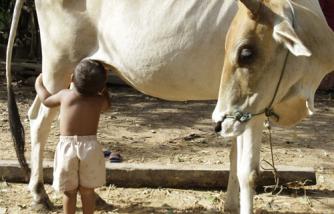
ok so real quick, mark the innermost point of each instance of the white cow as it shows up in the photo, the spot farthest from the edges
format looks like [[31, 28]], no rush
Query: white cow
[[171, 49]]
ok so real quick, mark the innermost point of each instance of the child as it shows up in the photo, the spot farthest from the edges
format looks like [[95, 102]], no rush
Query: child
[[79, 163]]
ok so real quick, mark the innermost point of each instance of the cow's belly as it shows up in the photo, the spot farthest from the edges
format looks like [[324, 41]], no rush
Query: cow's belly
[[172, 50], [189, 75], [176, 83]]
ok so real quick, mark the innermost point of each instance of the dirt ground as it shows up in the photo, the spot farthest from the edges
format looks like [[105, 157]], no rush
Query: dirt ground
[[148, 130]]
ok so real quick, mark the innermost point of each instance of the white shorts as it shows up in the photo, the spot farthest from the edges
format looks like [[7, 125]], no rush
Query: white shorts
[[79, 161]]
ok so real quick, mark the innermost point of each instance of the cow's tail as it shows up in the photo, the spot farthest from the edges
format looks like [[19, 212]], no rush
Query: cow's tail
[[16, 127]]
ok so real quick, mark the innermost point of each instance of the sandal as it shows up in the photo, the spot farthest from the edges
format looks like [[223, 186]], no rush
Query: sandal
[[115, 158], [112, 157]]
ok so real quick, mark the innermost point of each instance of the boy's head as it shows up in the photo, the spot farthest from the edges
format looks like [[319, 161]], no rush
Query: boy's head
[[89, 77]]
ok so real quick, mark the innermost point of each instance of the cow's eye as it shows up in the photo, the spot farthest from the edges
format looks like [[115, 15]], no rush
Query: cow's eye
[[246, 55]]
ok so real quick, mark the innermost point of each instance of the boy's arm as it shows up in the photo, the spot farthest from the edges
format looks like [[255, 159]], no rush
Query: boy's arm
[[106, 99], [44, 95]]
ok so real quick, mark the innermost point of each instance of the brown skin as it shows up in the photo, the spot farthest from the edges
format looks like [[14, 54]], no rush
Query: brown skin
[[79, 114]]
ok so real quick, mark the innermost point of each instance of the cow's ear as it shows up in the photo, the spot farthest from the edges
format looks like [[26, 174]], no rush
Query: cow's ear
[[285, 34]]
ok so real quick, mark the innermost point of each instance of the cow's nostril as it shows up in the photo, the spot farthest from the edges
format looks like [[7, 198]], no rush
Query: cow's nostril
[[218, 127]]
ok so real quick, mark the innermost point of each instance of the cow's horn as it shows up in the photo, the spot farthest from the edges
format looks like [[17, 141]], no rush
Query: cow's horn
[[252, 5]]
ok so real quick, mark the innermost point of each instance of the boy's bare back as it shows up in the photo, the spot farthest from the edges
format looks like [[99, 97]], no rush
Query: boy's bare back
[[79, 115]]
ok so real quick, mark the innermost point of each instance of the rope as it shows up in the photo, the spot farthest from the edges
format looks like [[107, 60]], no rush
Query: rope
[[272, 164]]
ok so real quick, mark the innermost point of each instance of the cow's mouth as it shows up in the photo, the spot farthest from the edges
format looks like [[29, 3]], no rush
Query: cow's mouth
[[229, 128]]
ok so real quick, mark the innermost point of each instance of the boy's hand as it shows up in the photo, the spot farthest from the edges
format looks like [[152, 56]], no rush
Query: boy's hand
[[40, 89], [44, 95], [38, 80]]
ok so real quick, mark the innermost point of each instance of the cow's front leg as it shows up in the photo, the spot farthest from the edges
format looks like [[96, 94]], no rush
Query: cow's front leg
[[232, 196], [40, 118], [248, 152]]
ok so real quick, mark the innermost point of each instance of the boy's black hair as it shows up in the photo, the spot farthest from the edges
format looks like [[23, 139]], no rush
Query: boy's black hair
[[89, 77]]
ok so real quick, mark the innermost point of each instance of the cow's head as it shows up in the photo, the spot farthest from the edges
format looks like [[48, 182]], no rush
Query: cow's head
[[266, 42]]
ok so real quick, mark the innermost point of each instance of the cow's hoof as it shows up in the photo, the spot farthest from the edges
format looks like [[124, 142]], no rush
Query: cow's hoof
[[43, 205], [231, 211], [101, 203]]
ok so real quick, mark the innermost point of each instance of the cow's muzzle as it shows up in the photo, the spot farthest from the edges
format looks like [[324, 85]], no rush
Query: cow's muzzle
[[218, 126]]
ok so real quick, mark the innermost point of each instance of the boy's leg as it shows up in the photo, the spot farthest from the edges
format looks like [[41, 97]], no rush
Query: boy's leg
[[87, 200], [70, 201]]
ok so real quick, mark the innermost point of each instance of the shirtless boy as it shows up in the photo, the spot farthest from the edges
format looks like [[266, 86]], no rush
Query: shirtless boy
[[79, 163]]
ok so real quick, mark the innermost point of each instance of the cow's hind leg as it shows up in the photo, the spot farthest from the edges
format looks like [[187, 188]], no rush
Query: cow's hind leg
[[41, 118], [40, 124]]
